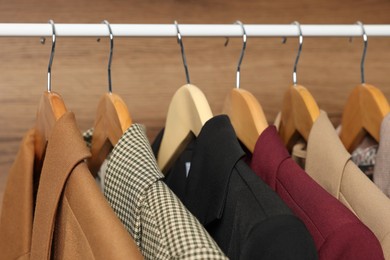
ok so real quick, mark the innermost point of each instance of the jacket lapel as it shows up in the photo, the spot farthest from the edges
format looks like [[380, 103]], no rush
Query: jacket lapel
[[326, 157], [65, 150], [216, 152]]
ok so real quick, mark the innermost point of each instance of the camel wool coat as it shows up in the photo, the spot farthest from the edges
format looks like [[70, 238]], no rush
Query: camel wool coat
[[65, 216]]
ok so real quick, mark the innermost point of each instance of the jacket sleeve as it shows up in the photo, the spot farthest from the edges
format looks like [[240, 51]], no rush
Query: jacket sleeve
[[354, 241], [281, 237]]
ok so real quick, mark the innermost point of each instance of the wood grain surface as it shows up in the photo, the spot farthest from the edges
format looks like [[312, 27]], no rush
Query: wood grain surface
[[146, 72]]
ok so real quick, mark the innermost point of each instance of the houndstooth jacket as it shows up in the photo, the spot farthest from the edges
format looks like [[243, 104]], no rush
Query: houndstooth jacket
[[160, 224]]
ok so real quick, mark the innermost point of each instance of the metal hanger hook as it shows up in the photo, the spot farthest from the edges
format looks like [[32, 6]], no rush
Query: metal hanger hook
[[183, 55], [299, 52], [365, 42], [53, 48], [111, 53], [244, 37]]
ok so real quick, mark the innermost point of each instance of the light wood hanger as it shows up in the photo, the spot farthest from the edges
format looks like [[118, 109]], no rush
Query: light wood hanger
[[364, 111], [299, 112], [245, 112], [299, 108], [112, 120], [51, 107], [246, 115], [188, 112]]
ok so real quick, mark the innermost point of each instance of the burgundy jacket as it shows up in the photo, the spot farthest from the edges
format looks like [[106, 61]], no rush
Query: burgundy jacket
[[337, 232]]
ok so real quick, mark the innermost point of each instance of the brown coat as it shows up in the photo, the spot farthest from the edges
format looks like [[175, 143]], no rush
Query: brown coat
[[72, 219]]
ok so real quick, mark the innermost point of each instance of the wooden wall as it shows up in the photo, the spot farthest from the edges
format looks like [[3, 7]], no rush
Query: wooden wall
[[146, 72]]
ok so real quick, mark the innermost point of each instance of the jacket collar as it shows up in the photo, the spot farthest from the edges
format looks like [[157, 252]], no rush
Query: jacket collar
[[134, 154], [269, 153], [216, 153], [326, 155], [66, 146], [131, 161], [133, 168], [64, 151]]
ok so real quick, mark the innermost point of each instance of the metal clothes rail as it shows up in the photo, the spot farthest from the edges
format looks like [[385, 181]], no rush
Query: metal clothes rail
[[191, 30]]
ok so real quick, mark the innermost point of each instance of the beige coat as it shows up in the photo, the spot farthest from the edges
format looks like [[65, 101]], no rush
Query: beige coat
[[382, 159], [72, 219], [329, 164]]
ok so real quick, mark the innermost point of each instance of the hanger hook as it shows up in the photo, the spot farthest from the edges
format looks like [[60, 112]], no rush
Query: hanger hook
[[183, 55], [365, 41], [111, 52], [53, 48], [299, 52], [244, 37]]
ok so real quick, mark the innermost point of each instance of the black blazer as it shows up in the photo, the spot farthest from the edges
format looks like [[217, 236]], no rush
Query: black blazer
[[244, 216]]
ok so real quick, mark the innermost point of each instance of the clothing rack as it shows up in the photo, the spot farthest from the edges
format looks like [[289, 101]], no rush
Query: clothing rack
[[192, 30]]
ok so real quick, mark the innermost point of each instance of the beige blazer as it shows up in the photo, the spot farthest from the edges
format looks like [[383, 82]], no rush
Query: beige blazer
[[72, 219], [382, 160], [329, 164]]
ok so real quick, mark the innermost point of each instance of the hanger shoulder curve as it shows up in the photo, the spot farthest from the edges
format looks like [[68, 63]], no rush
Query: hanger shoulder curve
[[363, 113], [112, 120], [377, 107], [188, 111], [352, 131], [246, 116], [299, 112], [306, 108], [51, 107], [118, 107]]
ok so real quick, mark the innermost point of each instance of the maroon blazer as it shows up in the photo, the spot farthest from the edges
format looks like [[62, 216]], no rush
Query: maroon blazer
[[337, 232]]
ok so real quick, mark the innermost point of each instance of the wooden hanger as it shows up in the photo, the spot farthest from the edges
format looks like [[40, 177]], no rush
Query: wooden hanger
[[246, 115], [187, 113], [363, 113], [112, 120], [245, 112], [51, 107], [365, 109], [299, 112], [299, 109]]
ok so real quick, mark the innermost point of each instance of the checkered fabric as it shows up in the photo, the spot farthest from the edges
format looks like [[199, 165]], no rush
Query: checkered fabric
[[160, 224], [87, 135]]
